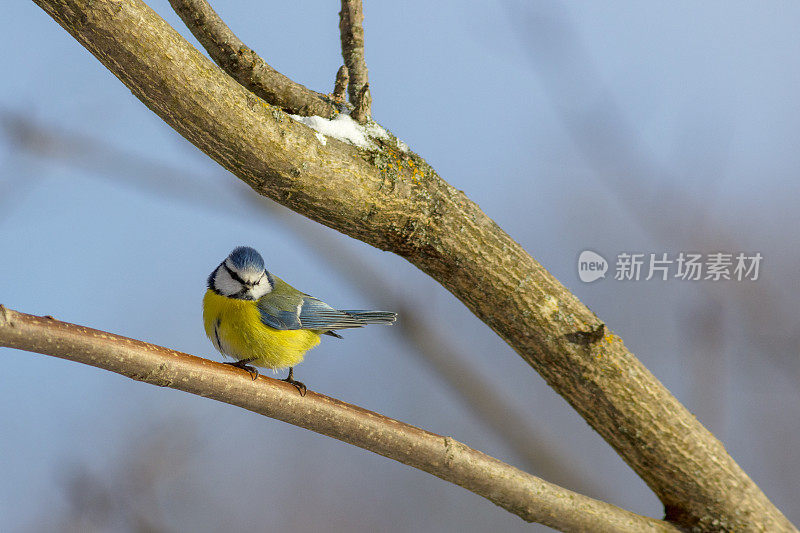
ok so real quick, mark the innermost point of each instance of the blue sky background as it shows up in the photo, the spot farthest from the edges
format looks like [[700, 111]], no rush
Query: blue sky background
[[615, 127]]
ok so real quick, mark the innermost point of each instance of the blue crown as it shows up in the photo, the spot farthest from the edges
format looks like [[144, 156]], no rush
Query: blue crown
[[246, 258]]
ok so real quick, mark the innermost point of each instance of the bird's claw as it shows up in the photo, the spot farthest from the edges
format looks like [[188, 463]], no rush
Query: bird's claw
[[299, 385], [244, 366]]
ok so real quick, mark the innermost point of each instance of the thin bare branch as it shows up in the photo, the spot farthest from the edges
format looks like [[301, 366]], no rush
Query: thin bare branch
[[529, 497], [351, 31], [394, 200], [246, 66]]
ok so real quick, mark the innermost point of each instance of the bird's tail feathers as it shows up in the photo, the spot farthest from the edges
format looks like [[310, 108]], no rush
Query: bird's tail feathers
[[372, 317]]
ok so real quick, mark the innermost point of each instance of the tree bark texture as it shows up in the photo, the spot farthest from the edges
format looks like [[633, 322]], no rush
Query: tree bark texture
[[394, 201]]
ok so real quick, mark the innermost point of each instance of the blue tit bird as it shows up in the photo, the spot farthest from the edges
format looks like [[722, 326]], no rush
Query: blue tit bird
[[257, 318]]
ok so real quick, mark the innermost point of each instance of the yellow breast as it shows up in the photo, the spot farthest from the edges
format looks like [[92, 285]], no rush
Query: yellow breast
[[235, 328]]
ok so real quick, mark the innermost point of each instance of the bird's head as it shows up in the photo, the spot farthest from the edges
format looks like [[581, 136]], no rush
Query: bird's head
[[241, 275]]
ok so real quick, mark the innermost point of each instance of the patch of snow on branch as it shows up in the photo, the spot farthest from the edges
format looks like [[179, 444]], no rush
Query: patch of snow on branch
[[340, 127], [374, 130], [344, 128]]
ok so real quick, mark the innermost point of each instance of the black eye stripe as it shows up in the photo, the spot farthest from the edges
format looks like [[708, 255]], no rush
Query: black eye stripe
[[233, 274], [238, 278]]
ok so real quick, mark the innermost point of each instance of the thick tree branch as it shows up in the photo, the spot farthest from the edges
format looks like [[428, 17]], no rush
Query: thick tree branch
[[351, 31], [393, 200], [529, 497], [246, 66]]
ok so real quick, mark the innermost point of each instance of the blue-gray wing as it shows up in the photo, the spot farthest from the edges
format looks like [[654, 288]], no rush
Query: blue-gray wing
[[309, 313], [279, 313]]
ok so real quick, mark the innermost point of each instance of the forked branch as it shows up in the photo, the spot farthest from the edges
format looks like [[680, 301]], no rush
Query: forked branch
[[246, 66]]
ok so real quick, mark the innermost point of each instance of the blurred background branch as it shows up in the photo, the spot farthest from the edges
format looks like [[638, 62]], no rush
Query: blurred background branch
[[539, 452], [649, 192]]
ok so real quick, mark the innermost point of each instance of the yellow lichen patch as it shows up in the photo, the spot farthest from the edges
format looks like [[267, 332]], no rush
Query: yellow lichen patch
[[607, 340]]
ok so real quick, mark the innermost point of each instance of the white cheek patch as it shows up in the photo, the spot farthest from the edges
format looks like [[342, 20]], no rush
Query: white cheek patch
[[225, 284], [261, 288]]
